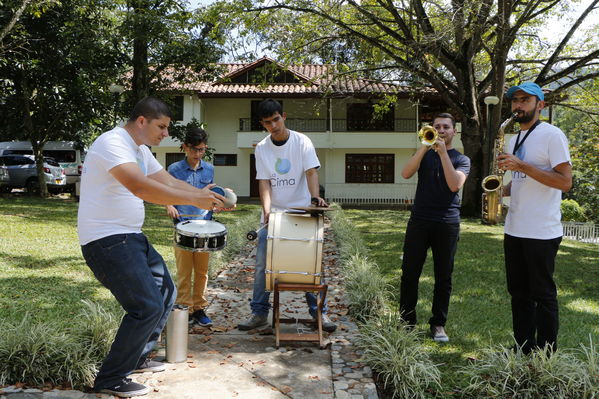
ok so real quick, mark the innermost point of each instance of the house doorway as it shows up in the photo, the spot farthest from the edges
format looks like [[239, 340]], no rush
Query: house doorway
[[254, 191]]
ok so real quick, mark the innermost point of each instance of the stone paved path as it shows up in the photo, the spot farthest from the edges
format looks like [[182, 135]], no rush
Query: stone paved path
[[224, 362]]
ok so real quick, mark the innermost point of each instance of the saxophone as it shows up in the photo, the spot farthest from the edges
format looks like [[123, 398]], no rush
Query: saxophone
[[493, 184]]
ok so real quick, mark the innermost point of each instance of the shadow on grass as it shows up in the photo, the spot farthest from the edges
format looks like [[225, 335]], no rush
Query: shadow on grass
[[55, 298], [55, 209], [38, 263]]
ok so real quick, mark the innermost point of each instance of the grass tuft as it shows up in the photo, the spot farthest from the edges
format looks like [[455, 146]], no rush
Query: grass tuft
[[567, 373], [36, 353], [396, 353], [365, 288]]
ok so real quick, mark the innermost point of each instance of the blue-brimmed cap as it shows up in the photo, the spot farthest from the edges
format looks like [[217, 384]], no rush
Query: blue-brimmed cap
[[527, 87]]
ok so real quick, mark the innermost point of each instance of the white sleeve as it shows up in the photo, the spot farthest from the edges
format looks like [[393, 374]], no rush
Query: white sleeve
[[152, 163], [113, 152], [261, 169], [558, 149], [309, 158]]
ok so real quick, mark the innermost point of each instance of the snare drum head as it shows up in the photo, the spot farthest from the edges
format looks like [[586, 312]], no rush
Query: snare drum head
[[200, 228]]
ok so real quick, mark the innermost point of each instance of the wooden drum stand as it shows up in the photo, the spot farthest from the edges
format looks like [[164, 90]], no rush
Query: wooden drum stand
[[297, 336]]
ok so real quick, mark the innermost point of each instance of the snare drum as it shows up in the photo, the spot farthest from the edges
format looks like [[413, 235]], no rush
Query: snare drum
[[200, 235], [294, 249]]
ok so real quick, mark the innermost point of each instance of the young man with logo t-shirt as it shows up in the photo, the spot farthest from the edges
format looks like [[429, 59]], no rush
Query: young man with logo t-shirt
[[539, 160], [119, 174], [286, 170], [434, 223]]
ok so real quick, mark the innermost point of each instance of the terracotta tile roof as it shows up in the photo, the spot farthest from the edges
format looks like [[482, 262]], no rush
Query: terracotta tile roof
[[315, 80]]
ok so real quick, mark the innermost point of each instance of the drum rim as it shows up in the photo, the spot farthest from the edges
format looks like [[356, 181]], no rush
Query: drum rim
[[201, 235], [200, 249]]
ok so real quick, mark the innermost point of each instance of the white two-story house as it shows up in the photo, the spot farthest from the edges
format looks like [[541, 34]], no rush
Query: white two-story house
[[361, 156]]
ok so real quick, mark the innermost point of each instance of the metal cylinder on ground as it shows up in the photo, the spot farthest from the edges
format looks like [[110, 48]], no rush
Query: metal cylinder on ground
[[176, 334]]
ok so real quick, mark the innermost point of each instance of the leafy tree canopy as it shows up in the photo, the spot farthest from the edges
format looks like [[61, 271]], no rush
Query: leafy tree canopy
[[465, 49]]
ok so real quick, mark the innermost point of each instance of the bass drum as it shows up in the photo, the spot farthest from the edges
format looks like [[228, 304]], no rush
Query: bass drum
[[294, 249]]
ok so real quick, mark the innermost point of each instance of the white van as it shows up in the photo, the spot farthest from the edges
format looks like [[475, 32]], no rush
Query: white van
[[64, 152]]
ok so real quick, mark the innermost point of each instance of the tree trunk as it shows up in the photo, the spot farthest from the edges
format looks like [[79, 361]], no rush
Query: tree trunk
[[38, 153], [472, 130], [30, 132]]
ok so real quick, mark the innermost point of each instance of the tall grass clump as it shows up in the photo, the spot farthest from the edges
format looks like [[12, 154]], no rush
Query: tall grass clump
[[506, 374], [396, 353], [364, 284], [36, 353], [96, 327], [365, 288], [349, 242], [236, 239]]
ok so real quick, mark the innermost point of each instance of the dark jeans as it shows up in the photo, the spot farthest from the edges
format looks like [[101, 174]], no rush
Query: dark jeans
[[442, 238], [138, 278], [529, 265]]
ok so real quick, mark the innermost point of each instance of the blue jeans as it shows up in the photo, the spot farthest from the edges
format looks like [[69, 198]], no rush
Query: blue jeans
[[138, 278], [260, 304]]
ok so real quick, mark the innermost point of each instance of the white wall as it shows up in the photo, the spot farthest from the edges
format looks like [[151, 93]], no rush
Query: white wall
[[221, 117]]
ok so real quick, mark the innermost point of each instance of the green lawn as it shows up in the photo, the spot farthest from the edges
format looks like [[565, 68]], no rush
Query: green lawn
[[479, 313], [42, 271]]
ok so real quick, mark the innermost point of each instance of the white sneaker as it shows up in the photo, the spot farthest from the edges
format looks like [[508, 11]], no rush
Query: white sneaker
[[438, 334]]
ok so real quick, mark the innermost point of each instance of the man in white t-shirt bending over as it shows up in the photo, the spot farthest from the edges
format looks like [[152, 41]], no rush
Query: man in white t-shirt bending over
[[119, 174], [539, 161], [286, 170]]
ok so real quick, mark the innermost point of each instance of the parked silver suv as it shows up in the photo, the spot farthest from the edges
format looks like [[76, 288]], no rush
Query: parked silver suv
[[22, 173]]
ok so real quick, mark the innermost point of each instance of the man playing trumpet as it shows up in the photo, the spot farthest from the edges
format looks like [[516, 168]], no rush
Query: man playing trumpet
[[434, 222]]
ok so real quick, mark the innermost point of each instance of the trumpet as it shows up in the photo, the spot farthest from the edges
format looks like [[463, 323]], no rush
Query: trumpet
[[428, 135]]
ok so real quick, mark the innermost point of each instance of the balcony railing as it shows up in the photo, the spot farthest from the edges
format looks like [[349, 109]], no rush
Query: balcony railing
[[371, 194], [339, 125]]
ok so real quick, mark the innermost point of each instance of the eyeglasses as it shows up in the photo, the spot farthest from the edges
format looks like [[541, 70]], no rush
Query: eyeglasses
[[198, 149]]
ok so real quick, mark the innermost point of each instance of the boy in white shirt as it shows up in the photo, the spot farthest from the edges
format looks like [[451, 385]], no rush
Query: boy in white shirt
[[286, 170]]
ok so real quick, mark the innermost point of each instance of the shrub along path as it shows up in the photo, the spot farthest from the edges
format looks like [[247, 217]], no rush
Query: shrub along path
[[224, 362]]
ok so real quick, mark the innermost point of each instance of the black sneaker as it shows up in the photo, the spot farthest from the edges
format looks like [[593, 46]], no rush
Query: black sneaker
[[126, 389], [150, 366], [255, 321], [327, 324]]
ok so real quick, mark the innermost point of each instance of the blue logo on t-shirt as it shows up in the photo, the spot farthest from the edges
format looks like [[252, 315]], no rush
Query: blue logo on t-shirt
[[521, 153], [282, 166]]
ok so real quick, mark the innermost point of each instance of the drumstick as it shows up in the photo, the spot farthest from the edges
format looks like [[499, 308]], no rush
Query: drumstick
[[252, 235]]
